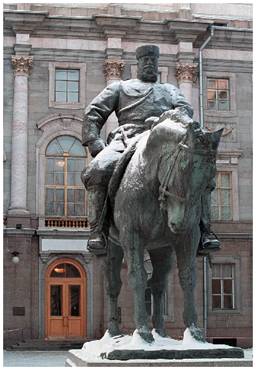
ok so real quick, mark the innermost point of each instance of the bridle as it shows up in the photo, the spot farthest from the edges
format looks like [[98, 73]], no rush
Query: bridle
[[164, 193]]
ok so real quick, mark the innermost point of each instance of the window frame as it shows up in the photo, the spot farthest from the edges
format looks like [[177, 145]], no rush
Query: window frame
[[216, 90], [222, 294], [232, 112], [220, 206], [65, 187], [53, 66], [236, 261]]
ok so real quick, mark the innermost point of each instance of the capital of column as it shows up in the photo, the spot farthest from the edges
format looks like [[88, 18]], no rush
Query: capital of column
[[113, 69], [22, 64], [186, 72]]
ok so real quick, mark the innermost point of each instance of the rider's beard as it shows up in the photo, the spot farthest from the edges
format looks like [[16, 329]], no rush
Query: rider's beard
[[147, 74]]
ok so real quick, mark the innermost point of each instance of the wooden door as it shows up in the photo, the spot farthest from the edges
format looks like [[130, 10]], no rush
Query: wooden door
[[65, 301]]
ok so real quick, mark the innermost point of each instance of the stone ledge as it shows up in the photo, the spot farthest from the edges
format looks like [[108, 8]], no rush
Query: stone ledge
[[75, 359]]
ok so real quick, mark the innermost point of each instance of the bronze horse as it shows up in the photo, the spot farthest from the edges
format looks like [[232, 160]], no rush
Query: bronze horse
[[157, 208]]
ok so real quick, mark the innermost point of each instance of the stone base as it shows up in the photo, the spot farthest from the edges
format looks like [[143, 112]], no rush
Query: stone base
[[125, 355], [75, 359]]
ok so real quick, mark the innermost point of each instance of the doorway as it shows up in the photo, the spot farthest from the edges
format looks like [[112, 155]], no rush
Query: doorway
[[65, 300]]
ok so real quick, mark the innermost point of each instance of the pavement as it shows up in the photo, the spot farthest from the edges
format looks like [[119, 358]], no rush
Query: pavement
[[34, 358]]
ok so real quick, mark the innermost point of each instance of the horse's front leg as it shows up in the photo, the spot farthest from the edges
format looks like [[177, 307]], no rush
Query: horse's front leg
[[113, 285], [138, 280], [161, 262], [186, 261]]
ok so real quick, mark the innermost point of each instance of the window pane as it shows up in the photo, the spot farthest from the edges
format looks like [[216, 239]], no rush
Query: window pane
[[61, 74], [72, 97], [50, 164], [225, 197], [56, 300], [216, 270], [214, 198], [73, 74], [71, 164], [227, 270], [216, 301], [226, 213], [78, 180], [49, 209], [211, 104], [66, 142], [228, 302], [59, 209], [77, 149], [53, 148], [79, 210], [216, 286], [211, 83], [222, 84], [211, 95], [215, 213], [227, 286], [71, 178], [60, 96], [223, 105], [225, 180], [71, 195], [59, 165], [222, 95], [59, 178], [60, 86], [49, 179], [59, 195], [71, 209], [79, 196], [59, 271], [49, 195], [71, 271], [74, 294], [72, 86]]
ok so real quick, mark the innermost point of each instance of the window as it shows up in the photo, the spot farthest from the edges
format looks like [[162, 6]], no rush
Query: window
[[64, 191], [218, 94], [221, 198], [67, 85], [223, 286]]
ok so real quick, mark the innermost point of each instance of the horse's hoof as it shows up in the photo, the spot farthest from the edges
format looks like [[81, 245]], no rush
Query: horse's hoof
[[146, 336], [196, 333], [161, 332]]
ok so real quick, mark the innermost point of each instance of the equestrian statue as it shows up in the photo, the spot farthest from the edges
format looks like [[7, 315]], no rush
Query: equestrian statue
[[149, 190]]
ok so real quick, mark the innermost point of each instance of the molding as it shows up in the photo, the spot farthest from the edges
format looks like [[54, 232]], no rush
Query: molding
[[53, 117]]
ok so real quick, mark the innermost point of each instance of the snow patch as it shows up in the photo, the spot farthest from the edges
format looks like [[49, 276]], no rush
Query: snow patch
[[98, 350]]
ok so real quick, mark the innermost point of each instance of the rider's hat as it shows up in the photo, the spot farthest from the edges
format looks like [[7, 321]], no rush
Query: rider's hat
[[144, 50]]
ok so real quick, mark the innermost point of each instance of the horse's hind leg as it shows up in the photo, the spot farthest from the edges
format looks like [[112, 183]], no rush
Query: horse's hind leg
[[161, 262], [113, 285]]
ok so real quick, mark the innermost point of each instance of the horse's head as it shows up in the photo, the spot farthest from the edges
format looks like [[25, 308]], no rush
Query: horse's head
[[185, 173]]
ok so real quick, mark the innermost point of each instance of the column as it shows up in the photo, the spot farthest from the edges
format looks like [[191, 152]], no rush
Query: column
[[113, 68], [22, 66], [186, 74]]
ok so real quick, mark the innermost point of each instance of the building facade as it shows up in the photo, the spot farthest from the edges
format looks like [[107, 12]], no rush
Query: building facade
[[57, 58]]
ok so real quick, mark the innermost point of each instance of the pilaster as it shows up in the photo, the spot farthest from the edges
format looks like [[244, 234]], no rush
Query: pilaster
[[22, 65]]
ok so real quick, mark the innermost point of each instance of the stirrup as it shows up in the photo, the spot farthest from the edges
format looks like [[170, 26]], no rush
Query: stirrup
[[97, 244]]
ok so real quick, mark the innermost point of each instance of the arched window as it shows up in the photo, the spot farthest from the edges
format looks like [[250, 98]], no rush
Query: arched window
[[64, 191]]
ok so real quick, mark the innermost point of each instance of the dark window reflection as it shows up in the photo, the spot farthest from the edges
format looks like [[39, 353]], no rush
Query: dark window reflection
[[74, 293], [65, 270], [56, 300]]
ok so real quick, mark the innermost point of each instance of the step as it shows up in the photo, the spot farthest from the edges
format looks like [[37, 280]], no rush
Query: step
[[46, 345]]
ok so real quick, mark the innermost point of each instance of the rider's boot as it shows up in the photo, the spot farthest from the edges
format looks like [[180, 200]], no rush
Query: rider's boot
[[209, 241], [97, 241]]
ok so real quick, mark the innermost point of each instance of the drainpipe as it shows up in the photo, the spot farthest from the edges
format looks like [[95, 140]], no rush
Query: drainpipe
[[201, 117]]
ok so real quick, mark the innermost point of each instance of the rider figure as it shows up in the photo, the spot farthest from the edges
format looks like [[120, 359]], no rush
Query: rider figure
[[137, 104]]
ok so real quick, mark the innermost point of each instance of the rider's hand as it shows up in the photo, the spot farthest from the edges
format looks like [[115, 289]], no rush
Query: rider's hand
[[95, 147]]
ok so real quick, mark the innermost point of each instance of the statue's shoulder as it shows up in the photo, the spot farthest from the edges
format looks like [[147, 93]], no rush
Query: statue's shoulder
[[169, 87], [134, 87]]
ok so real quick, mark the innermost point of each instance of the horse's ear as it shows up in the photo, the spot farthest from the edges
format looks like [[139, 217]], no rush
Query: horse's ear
[[215, 136]]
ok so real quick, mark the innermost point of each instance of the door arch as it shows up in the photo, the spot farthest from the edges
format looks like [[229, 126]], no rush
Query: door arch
[[65, 303]]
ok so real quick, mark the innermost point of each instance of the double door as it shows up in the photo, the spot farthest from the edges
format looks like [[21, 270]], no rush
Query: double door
[[65, 307]]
